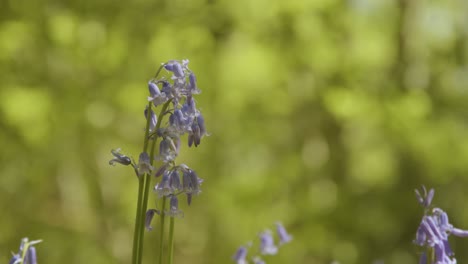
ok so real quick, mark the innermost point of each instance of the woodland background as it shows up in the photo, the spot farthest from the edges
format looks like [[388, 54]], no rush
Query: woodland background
[[323, 114]]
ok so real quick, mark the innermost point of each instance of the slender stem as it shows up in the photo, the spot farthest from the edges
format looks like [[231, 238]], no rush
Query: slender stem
[[147, 183], [139, 223], [171, 240], [159, 70], [161, 230], [136, 233], [147, 179], [25, 250]]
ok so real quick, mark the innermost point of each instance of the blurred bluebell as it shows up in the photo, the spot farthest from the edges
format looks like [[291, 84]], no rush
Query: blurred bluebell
[[267, 244], [433, 232], [31, 257], [119, 158], [149, 217], [284, 237], [15, 259], [240, 256]]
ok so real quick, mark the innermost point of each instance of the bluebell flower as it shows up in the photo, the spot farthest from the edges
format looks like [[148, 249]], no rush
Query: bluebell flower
[[267, 244], [240, 256], [284, 237], [15, 259], [31, 257], [433, 232], [193, 84], [149, 217], [153, 120], [167, 150], [174, 208], [198, 130], [191, 182], [119, 158], [175, 68], [174, 181], [163, 188], [189, 108], [144, 165], [156, 97]]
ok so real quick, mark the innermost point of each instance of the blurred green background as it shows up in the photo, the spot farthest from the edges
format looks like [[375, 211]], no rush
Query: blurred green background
[[324, 114]]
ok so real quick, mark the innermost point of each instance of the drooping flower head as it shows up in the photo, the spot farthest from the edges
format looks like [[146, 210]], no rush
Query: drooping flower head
[[433, 232]]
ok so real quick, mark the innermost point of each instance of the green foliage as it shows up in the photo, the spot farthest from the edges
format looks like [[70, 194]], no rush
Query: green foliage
[[323, 114]]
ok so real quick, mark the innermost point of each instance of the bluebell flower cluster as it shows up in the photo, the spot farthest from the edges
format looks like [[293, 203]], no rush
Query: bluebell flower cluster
[[26, 254], [433, 232], [267, 246], [184, 118]]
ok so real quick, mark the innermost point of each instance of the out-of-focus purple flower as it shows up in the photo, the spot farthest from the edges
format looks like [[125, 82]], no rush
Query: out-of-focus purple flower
[[144, 165], [433, 232], [15, 259], [284, 237], [119, 158], [267, 244], [174, 208], [240, 256], [31, 257]]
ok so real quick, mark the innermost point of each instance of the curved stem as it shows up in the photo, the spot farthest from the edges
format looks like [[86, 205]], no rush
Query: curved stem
[[161, 230], [159, 70], [171, 240]]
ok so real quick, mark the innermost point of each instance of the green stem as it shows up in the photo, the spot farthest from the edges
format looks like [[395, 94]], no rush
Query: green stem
[[171, 240], [25, 250], [147, 183], [137, 246], [161, 230], [136, 233]]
